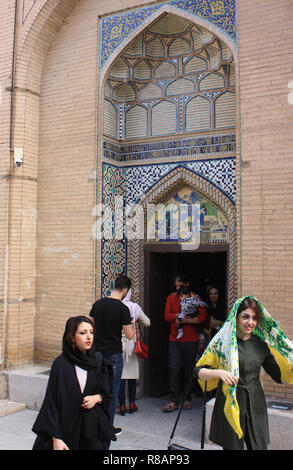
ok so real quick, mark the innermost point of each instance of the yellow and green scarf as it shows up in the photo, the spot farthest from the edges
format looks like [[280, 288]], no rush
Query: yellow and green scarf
[[222, 353]]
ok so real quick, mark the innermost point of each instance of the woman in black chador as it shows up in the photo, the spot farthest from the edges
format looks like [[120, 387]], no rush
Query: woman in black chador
[[74, 414]]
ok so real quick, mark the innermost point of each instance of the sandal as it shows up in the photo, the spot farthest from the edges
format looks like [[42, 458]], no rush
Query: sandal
[[171, 406], [187, 405]]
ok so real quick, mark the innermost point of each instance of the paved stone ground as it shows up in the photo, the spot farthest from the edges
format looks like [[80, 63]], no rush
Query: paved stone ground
[[147, 429]]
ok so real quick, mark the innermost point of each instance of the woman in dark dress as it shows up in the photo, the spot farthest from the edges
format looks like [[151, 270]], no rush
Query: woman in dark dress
[[215, 310], [234, 359], [74, 414]]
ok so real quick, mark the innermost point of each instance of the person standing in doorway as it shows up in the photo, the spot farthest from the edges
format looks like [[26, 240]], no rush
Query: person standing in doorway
[[189, 303], [215, 309], [183, 351], [130, 373], [112, 318]]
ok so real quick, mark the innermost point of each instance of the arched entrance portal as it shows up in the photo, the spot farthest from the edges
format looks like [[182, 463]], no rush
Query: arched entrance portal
[[169, 126], [152, 264]]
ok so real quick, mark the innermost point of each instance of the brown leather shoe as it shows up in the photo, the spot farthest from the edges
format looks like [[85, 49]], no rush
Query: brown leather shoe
[[122, 410], [132, 407]]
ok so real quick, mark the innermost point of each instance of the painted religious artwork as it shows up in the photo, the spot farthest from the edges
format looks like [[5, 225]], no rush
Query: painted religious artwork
[[188, 218]]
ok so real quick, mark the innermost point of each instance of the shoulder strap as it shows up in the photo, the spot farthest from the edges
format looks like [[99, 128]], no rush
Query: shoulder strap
[[203, 422]]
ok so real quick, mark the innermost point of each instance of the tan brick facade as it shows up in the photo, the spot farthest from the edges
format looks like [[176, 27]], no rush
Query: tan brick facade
[[266, 151], [49, 261]]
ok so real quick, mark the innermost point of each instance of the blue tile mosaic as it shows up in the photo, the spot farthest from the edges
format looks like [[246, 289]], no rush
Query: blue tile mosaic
[[117, 28], [220, 172]]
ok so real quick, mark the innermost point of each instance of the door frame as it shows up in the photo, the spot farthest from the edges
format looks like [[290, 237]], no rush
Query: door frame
[[177, 248], [163, 248]]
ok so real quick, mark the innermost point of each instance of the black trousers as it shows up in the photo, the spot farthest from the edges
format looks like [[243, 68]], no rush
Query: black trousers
[[181, 355]]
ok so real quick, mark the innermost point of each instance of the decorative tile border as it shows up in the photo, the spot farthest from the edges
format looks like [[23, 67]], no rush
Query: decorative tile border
[[220, 172], [113, 251], [117, 28], [196, 146]]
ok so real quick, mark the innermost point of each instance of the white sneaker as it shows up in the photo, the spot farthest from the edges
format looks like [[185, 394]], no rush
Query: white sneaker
[[117, 431], [180, 334]]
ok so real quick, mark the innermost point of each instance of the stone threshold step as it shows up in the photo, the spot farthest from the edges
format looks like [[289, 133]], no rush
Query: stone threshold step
[[7, 407]]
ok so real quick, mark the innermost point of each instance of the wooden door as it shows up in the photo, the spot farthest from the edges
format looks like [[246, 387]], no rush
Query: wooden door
[[160, 272]]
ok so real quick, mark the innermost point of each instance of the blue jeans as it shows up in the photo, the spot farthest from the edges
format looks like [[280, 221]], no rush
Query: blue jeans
[[116, 361], [131, 391]]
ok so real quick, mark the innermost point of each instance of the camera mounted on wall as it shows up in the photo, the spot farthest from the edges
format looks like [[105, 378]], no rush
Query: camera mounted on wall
[[18, 157]]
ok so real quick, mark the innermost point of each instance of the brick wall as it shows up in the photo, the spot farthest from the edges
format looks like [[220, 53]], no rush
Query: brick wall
[[265, 39], [6, 35], [66, 186], [37, 29]]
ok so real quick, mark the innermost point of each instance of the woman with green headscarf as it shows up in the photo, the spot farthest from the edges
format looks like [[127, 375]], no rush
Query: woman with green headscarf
[[248, 340]]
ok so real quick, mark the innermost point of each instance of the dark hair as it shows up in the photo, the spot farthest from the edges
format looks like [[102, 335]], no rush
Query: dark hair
[[180, 278], [210, 288], [72, 325], [122, 282], [184, 290], [250, 303]]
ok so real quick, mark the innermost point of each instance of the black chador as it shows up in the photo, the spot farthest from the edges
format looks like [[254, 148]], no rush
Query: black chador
[[61, 415]]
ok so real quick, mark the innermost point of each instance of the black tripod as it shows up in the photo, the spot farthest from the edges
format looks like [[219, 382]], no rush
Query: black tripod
[[172, 446]]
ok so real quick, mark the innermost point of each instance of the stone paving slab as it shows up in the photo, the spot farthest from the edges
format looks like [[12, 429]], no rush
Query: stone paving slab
[[7, 407]]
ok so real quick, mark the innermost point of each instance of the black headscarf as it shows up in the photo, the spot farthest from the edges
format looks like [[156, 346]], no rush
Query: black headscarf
[[61, 414], [85, 361]]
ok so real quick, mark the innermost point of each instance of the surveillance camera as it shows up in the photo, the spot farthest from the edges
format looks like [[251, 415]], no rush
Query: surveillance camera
[[18, 157], [17, 162]]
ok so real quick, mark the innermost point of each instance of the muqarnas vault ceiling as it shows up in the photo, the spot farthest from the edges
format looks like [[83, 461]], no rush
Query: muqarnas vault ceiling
[[174, 78]]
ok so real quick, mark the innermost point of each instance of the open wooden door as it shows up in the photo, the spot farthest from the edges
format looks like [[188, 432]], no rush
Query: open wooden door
[[160, 268]]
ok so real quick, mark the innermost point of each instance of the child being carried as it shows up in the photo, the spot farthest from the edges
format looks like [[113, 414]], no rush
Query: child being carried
[[189, 303]]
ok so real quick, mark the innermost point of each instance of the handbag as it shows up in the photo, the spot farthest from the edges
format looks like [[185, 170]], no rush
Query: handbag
[[173, 446], [140, 348]]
